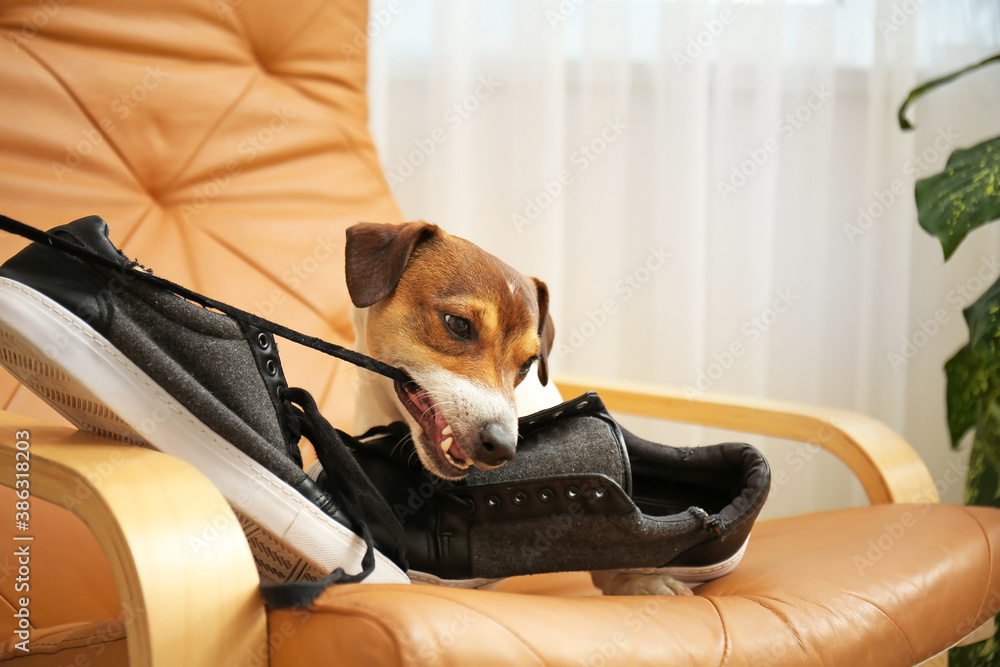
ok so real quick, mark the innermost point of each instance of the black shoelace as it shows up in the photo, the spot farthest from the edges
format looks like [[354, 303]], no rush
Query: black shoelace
[[366, 503]]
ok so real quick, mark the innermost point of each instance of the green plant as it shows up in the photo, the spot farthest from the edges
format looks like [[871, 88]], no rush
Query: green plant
[[964, 196]]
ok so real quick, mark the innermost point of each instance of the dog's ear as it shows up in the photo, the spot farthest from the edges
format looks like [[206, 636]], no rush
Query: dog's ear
[[376, 256], [546, 330]]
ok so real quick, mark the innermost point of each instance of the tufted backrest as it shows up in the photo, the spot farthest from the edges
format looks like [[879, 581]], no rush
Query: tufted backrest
[[224, 141]]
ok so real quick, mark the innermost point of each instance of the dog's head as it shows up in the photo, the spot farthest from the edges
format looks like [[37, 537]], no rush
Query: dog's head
[[465, 327]]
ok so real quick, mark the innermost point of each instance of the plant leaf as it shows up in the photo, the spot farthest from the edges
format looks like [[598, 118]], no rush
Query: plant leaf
[[983, 484], [974, 372], [982, 654], [925, 88], [968, 386], [964, 196]]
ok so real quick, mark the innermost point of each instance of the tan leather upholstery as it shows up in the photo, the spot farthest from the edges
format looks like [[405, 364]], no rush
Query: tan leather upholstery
[[226, 144], [789, 603]]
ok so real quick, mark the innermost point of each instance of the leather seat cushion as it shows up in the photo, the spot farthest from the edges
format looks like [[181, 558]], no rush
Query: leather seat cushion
[[803, 595], [225, 143]]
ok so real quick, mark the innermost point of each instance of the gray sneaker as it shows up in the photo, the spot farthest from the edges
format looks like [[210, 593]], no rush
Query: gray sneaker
[[119, 353], [582, 494]]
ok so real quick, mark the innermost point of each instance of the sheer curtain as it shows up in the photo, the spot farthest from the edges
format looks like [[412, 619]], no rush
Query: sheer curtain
[[716, 193]]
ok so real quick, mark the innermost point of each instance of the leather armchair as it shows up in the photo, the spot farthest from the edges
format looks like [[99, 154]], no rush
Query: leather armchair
[[226, 143]]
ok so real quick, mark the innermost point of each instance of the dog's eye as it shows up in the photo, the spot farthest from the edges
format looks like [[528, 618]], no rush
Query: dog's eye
[[459, 326], [525, 367]]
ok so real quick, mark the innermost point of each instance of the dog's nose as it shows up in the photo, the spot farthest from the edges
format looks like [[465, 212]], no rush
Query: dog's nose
[[497, 444]]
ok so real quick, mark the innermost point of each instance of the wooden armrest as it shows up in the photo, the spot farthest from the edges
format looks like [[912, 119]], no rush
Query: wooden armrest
[[187, 606], [886, 465]]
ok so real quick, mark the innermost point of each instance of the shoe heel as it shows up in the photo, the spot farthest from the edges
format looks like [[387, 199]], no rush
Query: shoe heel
[[32, 368]]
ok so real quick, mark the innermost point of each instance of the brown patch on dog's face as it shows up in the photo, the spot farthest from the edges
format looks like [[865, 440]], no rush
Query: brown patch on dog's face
[[450, 278], [467, 328]]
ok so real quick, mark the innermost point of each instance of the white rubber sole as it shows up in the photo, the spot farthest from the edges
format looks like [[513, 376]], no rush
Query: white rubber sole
[[700, 574], [80, 374], [693, 576]]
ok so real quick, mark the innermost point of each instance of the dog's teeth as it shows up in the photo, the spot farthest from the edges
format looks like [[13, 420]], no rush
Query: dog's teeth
[[447, 430], [446, 444]]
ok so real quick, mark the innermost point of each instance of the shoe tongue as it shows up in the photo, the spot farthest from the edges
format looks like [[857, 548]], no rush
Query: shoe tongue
[[575, 437]]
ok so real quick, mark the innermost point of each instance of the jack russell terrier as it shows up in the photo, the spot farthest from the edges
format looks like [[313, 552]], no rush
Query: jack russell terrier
[[465, 327], [467, 330]]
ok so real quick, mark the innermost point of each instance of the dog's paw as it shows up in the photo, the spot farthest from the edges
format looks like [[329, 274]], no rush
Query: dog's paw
[[626, 583]]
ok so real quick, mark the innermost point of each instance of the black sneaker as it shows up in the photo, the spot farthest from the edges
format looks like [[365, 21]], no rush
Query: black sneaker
[[119, 353], [582, 494]]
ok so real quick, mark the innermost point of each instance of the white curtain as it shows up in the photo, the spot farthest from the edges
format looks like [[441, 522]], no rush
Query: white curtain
[[716, 193]]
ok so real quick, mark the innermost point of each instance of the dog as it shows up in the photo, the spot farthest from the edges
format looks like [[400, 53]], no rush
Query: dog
[[467, 330]]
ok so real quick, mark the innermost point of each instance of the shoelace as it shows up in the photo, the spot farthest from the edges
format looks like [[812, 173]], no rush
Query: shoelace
[[367, 504], [331, 451]]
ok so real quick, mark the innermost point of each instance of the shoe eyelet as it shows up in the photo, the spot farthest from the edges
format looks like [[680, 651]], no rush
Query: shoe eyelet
[[546, 495], [600, 494], [572, 493], [519, 498], [272, 368], [470, 502], [493, 502], [263, 342]]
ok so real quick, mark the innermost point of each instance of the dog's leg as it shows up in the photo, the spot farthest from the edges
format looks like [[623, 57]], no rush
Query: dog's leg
[[626, 583]]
